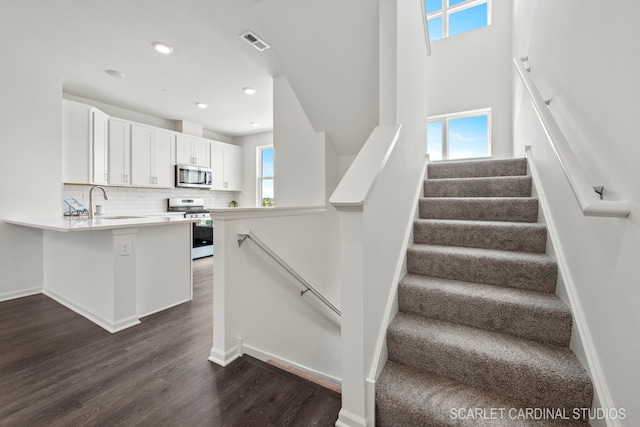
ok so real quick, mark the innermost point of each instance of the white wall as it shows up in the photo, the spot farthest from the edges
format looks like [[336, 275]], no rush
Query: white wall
[[329, 52], [582, 59], [257, 301], [299, 152], [473, 70], [248, 197], [30, 154]]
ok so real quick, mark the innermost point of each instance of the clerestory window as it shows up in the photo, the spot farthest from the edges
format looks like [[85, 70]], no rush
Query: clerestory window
[[447, 18]]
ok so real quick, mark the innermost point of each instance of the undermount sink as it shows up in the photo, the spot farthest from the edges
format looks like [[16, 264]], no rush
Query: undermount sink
[[119, 217]]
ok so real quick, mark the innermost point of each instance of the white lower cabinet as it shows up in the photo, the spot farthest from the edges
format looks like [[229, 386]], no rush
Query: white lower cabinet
[[151, 160], [226, 163]]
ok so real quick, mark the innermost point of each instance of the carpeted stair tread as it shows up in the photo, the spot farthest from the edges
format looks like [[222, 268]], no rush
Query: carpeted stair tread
[[508, 236], [511, 209], [408, 397], [477, 168], [540, 374], [536, 272], [526, 314], [502, 186]]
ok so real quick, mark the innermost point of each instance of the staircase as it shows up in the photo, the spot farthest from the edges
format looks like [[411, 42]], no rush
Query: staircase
[[479, 324]]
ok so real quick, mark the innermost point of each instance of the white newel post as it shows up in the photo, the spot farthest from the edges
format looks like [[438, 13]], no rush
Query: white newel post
[[353, 412]]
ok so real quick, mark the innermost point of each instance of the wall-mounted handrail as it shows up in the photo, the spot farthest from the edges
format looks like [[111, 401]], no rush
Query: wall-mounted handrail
[[425, 24], [248, 234], [589, 202]]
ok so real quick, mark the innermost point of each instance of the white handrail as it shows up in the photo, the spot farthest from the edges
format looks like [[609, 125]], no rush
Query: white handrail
[[425, 24], [589, 202], [248, 234]]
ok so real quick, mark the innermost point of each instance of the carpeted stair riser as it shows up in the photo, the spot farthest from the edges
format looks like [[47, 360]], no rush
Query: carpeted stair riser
[[536, 272], [479, 168], [504, 186], [539, 374], [507, 236], [512, 209], [406, 396], [531, 315]]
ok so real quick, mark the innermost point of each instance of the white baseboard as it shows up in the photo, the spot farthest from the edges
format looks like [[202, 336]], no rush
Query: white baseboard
[[266, 356], [20, 294], [103, 323], [223, 358], [600, 386], [164, 308], [347, 419]]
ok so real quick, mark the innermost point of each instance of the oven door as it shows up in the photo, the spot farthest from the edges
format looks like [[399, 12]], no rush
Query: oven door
[[202, 239]]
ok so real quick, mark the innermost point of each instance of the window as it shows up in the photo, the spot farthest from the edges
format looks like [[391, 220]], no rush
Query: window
[[265, 176], [450, 17], [464, 135]]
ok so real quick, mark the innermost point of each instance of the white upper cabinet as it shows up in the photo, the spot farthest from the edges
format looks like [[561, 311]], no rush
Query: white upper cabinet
[[226, 163], [76, 140], [191, 150], [151, 159], [119, 152], [233, 167], [100, 147]]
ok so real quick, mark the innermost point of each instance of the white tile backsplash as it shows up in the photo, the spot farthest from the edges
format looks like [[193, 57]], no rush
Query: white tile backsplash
[[129, 200]]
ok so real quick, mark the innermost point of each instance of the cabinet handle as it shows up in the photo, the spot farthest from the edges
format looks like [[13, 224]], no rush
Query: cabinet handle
[[126, 178], [106, 177]]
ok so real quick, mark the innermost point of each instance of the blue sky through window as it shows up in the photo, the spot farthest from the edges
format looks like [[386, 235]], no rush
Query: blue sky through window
[[434, 140], [455, 2], [435, 29], [433, 5], [267, 170], [468, 137], [468, 19]]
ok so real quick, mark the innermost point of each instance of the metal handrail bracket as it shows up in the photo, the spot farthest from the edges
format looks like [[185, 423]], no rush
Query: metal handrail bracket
[[590, 204], [248, 234]]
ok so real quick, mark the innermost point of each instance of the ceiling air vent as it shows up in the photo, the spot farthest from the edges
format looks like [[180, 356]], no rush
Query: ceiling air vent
[[255, 41]]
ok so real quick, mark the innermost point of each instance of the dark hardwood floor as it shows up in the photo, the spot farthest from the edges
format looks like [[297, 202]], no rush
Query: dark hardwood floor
[[59, 369]]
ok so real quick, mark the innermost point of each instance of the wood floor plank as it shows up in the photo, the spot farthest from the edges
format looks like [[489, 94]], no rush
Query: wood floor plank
[[59, 369]]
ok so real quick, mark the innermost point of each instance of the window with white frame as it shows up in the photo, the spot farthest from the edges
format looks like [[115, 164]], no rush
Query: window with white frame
[[465, 135], [265, 175], [447, 18]]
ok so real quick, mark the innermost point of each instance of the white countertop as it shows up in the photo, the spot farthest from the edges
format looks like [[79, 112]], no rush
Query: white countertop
[[79, 223]]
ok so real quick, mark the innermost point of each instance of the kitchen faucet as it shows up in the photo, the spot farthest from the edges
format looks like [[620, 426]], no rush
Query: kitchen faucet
[[104, 192]]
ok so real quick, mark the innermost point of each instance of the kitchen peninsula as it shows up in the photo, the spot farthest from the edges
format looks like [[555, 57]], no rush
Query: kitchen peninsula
[[115, 270]]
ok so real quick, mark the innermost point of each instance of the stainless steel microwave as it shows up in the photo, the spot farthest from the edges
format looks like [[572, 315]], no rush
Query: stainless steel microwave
[[193, 176]]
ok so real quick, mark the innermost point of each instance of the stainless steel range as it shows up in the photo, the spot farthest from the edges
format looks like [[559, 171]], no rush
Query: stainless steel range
[[202, 229]]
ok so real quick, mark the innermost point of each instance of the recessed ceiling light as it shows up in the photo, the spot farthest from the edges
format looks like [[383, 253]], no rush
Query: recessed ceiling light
[[254, 124], [202, 105], [249, 90], [115, 73], [162, 47]]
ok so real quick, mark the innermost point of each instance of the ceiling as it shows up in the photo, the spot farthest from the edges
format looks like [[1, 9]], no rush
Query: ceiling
[[210, 62]]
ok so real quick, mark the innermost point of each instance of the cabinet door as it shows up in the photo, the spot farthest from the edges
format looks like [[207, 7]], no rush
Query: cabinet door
[[217, 165], [119, 153], [200, 152], [100, 152], [183, 150], [162, 164], [233, 167], [76, 142], [141, 143]]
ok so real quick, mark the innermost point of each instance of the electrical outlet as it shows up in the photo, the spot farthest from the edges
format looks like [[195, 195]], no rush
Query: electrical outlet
[[125, 248]]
